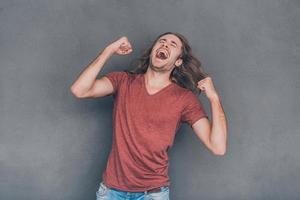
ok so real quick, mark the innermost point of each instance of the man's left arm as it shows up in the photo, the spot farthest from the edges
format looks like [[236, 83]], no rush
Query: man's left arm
[[213, 135]]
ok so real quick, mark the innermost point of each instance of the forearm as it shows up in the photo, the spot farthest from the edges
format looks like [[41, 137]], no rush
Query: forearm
[[88, 76], [218, 135]]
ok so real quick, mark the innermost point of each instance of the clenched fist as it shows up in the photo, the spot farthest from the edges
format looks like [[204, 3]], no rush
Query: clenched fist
[[206, 85], [121, 47]]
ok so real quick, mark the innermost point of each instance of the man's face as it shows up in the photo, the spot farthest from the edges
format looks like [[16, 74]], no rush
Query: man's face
[[165, 53]]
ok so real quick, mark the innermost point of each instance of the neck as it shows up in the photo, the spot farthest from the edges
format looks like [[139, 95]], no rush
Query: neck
[[157, 79]]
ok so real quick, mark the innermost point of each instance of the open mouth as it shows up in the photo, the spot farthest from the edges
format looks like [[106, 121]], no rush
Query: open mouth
[[162, 54]]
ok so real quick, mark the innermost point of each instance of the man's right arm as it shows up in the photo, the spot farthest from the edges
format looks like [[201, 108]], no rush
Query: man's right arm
[[86, 85]]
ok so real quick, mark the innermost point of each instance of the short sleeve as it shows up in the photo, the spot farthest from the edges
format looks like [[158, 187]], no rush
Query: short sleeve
[[116, 78], [193, 109]]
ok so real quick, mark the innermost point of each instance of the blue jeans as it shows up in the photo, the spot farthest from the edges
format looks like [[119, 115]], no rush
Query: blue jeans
[[105, 193]]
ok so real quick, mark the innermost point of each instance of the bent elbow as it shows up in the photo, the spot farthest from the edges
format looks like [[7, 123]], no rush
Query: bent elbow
[[75, 93], [219, 152]]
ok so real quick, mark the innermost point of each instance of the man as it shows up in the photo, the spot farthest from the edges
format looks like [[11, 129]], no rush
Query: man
[[150, 102]]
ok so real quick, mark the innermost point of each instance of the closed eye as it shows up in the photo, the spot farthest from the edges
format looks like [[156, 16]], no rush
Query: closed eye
[[172, 43]]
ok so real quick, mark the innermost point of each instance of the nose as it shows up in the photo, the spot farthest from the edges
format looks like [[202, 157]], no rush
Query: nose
[[165, 45]]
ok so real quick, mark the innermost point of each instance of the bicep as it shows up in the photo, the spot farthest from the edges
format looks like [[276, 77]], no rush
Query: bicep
[[202, 129], [101, 87]]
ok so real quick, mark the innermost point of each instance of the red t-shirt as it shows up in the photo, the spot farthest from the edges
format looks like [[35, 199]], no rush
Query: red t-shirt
[[144, 128]]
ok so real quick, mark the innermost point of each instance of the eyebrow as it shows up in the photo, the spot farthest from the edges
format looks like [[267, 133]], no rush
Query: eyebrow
[[171, 41]]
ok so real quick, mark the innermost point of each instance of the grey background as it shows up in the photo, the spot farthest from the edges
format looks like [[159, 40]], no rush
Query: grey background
[[54, 146]]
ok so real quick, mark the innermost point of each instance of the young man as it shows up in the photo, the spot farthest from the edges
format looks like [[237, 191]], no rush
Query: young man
[[150, 103]]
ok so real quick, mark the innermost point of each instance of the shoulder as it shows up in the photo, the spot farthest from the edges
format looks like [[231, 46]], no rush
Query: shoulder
[[120, 75], [117, 74], [183, 93]]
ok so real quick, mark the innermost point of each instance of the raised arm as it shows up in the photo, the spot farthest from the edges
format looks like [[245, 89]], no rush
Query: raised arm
[[213, 135], [86, 85]]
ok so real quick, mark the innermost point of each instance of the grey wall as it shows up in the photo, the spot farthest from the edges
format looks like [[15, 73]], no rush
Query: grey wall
[[54, 146]]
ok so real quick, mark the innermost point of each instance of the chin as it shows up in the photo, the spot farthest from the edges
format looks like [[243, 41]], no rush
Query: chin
[[155, 67], [158, 64]]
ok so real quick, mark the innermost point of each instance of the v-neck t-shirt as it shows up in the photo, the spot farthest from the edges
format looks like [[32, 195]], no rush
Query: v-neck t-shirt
[[144, 128]]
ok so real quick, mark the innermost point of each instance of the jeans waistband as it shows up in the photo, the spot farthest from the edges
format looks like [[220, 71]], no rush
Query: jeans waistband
[[157, 189]]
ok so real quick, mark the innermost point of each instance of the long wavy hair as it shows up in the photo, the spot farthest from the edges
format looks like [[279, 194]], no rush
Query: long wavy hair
[[186, 75]]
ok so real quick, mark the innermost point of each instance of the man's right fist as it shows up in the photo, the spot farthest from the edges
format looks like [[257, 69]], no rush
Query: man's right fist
[[121, 47]]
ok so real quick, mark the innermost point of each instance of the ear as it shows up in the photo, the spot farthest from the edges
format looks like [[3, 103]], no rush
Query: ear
[[178, 62]]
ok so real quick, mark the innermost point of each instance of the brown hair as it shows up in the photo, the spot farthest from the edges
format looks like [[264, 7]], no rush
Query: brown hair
[[186, 75]]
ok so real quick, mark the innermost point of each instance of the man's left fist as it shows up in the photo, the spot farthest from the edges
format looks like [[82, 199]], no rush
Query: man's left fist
[[206, 85]]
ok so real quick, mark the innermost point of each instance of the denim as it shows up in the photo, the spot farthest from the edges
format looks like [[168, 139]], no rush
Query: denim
[[105, 193]]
